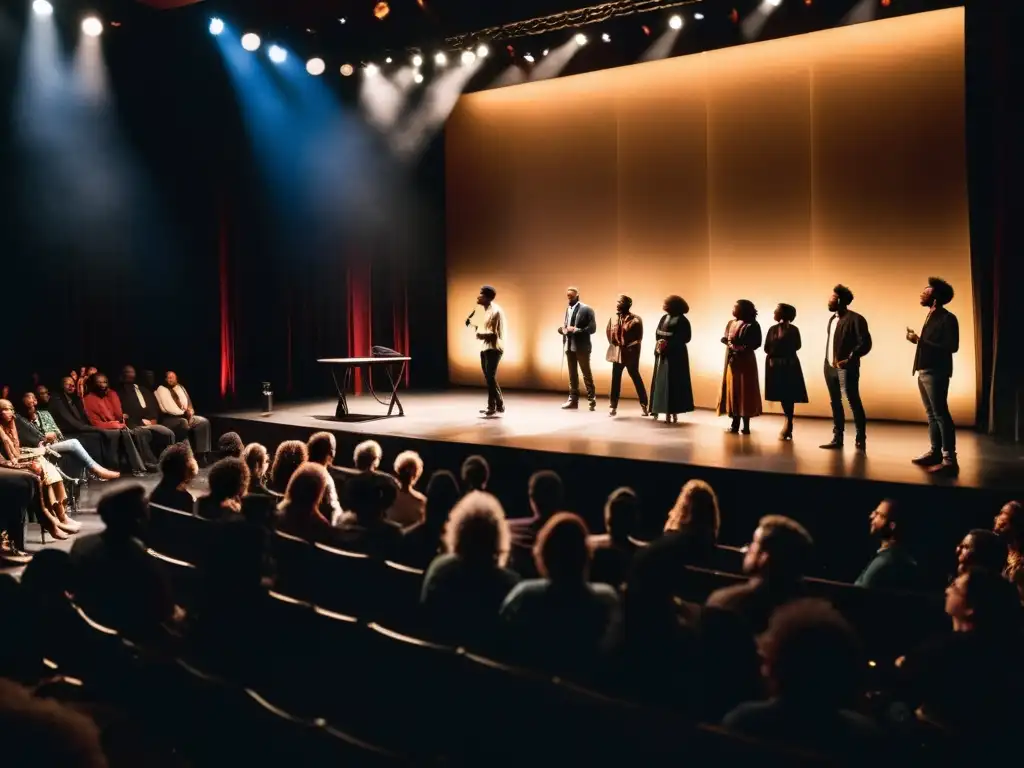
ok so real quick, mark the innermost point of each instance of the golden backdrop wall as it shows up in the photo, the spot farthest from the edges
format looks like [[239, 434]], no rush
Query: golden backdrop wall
[[769, 171]]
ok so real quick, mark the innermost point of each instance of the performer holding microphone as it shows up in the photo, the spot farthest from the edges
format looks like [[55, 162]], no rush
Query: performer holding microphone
[[490, 330]]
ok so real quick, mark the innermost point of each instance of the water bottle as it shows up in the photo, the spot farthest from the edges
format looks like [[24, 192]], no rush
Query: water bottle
[[268, 399]]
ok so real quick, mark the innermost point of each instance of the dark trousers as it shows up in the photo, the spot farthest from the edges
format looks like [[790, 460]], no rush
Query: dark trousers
[[199, 431], [845, 383], [632, 367], [934, 388], [582, 359], [19, 490], [489, 359]]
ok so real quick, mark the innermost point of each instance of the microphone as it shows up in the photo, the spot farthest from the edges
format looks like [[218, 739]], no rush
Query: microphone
[[470, 317]]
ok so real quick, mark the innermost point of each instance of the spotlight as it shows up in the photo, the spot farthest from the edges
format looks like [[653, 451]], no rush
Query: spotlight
[[440, 59], [342, 20], [482, 51], [251, 41], [216, 26], [277, 54], [676, 22], [372, 69], [347, 70], [528, 58], [581, 39], [92, 26], [417, 78], [699, 16], [468, 57], [42, 8], [545, 53], [417, 60], [775, 3], [606, 38], [316, 66]]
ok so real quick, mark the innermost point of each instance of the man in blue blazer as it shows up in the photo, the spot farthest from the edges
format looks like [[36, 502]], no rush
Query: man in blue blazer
[[576, 329]]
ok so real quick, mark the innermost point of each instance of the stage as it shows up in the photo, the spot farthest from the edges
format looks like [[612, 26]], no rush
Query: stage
[[534, 422]]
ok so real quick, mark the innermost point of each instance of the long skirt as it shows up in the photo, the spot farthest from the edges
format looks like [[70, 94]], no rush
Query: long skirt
[[741, 389]]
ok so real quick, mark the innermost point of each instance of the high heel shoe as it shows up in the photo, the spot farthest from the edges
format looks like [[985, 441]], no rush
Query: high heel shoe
[[48, 525], [65, 523], [102, 473]]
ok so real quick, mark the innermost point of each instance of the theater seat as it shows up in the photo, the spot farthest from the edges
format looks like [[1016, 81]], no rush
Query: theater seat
[[177, 534], [182, 575]]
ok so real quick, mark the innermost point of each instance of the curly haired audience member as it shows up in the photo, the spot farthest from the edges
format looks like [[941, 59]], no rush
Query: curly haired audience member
[[288, 457], [178, 468], [229, 479], [410, 504]]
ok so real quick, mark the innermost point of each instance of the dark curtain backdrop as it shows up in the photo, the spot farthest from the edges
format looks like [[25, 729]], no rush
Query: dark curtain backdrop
[[995, 129], [198, 274]]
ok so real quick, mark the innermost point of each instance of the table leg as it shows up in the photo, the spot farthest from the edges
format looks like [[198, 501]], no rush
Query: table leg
[[342, 409], [395, 381]]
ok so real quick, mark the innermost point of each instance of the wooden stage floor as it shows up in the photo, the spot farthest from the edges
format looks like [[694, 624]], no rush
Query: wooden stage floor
[[534, 422]]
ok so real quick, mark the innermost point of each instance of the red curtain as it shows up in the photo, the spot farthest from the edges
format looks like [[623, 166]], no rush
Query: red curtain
[[400, 319], [227, 323], [359, 312]]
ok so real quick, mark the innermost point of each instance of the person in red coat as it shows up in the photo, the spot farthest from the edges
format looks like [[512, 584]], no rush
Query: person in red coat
[[741, 390], [104, 411]]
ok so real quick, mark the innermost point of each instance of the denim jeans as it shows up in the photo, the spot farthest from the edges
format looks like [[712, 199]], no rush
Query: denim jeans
[[73, 447], [934, 388], [845, 383]]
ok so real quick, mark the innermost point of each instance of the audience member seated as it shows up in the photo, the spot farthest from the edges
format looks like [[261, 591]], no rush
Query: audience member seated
[[230, 446], [612, 551], [178, 468], [228, 480], [981, 549], [19, 493], [321, 449], [690, 538], [142, 410], [475, 473], [180, 416], [257, 460], [366, 458], [546, 494], [410, 505], [464, 589], [38, 428], [48, 583], [1009, 525], [119, 584], [105, 445], [55, 520], [812, 662], [776, 560], [232, 602], [970, 680], [364, 528], [422, 543], [44, 732], [559, 622], [892, 567], [289, 456], [299, 512], [104, 409]]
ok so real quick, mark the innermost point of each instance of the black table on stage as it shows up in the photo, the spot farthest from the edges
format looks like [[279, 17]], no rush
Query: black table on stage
[[345, 366]]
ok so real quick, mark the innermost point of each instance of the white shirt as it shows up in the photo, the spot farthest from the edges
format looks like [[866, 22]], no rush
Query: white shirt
[[330, 507], [493, 321], [166, 401], [138, 394]]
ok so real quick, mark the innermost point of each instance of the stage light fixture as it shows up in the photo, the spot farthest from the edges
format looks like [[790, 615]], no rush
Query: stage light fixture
[[482, 51], [251, 41], [42, 8], [581, 39], [699, 16], [277, 54], [468, 57], [216, 26], [316, 66], [775, 3], [545, 53], [381, 10], [440, 59], [606, 38], [92, 26], [343, 20], [347, 70], [372, 69], [676, 22], [417, 60], [417, 78], [528, 58]]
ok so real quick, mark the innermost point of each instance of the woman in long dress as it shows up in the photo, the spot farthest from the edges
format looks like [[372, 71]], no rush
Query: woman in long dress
[[54, 498], [671, 389], [741, 390], [783, 376]]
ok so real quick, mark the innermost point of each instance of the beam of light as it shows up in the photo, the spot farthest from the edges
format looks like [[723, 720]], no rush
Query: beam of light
[[662, 47], [251, 41], [675, 22], [316, 66], [864, 10], [467, 58], [383, 99], [92, 26], [42, 8], [432, 112], [372, 69], [216, 26], [754, 23], [277, 54]]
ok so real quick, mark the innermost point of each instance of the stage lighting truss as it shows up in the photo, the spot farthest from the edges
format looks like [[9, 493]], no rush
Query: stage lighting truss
[[577, 19]]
